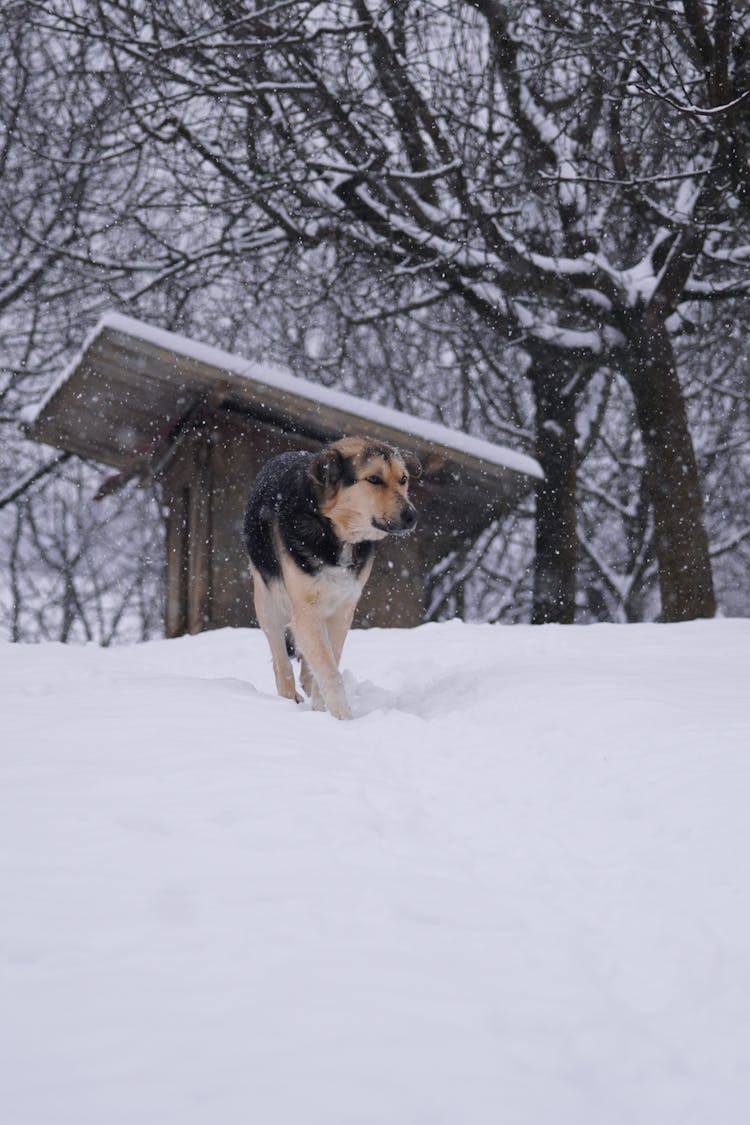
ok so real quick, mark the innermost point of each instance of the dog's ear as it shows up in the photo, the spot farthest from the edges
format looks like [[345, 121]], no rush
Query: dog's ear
[[326, 469], [413, 464]]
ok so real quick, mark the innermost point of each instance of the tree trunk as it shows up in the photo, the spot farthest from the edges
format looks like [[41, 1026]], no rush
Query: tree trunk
[[556, 544], [672, 477]]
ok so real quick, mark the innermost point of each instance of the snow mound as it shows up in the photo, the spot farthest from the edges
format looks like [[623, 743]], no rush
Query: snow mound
[[513, 889]]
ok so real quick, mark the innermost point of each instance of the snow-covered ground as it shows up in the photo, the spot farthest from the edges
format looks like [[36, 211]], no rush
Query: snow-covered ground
[[514, 891]]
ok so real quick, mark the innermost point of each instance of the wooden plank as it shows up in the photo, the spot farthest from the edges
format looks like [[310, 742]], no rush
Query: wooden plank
[[175, 613], [200, 554]]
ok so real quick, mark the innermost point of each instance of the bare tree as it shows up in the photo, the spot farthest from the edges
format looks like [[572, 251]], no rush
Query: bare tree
[[571, 175], [80, 571], [516, 218], [68, 569]]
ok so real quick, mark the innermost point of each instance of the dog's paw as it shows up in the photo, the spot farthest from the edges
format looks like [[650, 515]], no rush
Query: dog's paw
[[338, 705], [341, 711]]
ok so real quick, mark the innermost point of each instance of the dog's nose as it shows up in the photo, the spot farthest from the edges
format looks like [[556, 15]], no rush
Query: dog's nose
[[408, 517]]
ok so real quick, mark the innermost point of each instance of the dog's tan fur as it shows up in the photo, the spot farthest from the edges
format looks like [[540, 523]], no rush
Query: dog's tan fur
[[320, 607]]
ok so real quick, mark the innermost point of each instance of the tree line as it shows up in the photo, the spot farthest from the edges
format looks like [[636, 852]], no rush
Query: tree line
[[530, 220]]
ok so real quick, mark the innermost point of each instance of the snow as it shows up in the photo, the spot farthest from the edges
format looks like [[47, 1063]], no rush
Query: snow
[[278, 377], [514, 889]]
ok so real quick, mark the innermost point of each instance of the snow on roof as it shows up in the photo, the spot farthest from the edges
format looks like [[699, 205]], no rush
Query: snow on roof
[[281, 379]]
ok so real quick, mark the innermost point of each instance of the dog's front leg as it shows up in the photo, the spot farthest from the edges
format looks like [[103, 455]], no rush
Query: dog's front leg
[[339, 624], [311, 635]]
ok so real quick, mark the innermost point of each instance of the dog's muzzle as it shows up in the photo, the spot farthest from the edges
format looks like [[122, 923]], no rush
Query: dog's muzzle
[[406, 522]]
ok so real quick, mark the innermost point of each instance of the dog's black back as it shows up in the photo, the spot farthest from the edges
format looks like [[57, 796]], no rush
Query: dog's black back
[[284, 496]]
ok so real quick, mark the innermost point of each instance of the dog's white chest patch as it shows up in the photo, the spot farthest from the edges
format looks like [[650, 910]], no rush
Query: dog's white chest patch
[[338, 584]]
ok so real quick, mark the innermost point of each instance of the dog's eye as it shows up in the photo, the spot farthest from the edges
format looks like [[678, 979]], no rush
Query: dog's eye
[[404, 479], [375, 480]]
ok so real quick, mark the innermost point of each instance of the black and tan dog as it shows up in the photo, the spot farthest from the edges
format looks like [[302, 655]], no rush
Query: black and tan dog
[[311, 525]]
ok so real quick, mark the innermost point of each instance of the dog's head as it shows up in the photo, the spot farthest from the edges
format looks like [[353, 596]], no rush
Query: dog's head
[[363, 488]]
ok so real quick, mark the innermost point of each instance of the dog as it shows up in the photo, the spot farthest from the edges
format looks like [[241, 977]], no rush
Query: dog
[[311, 525]]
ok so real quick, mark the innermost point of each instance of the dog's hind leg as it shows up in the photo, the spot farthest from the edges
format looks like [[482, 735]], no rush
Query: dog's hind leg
[[273, 622], [310, 685], [282, 665], [305, 676]]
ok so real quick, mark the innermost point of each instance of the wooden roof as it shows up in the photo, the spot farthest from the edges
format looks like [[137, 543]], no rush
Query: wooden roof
[[131, 384]]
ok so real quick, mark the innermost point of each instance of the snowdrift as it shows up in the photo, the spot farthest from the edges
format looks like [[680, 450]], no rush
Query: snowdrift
[[513, 890]]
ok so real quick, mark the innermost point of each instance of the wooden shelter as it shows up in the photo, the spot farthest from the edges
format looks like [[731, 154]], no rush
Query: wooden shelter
[[150, 403]]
